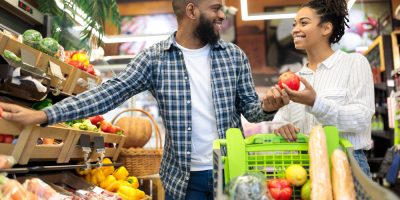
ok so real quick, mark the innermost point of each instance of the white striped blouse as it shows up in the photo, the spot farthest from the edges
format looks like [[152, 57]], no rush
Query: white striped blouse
[[345, 98]]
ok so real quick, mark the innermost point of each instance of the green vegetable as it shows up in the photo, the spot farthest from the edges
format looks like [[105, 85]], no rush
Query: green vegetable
[[42, 104], [32, 38], [10, 55], [49, 46]]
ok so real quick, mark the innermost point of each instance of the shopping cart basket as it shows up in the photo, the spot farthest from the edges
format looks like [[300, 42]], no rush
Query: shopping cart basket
[[270, 155]]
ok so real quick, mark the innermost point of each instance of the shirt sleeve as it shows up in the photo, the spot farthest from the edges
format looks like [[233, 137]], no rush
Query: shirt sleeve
[[248, 100], [105, 97], [356, 115]]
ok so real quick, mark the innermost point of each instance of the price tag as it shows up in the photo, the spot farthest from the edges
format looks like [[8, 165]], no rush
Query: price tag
[[56, 70]]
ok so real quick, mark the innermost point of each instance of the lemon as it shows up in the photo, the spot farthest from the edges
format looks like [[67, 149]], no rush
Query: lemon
[[296, 174]]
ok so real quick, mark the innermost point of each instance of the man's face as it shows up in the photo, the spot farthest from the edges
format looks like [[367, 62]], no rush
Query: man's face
[[210, 21], [207, 31]]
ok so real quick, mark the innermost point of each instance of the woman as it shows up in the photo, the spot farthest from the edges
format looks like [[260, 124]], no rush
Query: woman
[[337, 87]]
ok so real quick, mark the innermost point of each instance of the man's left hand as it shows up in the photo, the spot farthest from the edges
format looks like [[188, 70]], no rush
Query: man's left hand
[[275, 99]]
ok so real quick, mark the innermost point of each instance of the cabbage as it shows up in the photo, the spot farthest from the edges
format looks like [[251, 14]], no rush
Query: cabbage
[[49, 46], [31, 38]]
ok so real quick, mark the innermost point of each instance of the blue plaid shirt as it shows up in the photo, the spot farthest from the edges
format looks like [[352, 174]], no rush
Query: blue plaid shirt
[[161, 70]]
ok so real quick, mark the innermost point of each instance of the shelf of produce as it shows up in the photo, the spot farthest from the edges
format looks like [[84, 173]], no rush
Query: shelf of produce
[[387, 134]]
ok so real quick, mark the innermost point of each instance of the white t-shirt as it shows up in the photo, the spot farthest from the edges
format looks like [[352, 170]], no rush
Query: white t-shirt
[[204, 126], [345, 98]]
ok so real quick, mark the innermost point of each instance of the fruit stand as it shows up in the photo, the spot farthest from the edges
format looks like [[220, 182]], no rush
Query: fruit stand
[[68, 160]]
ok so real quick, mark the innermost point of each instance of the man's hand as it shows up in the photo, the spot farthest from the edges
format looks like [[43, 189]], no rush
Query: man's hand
[[288, 132], [306, 96], [22, 115], [275, 99]]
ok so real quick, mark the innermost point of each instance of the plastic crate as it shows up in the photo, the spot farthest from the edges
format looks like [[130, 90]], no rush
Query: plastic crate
[[271, 155]]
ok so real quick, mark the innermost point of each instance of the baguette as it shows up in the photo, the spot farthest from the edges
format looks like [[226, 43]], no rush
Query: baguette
[[342, 180], [321, 188]]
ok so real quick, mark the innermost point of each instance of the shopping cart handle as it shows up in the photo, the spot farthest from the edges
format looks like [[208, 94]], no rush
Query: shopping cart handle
[[272, 138]]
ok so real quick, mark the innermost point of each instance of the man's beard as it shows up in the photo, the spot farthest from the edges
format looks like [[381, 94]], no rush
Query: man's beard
[[205, 31]]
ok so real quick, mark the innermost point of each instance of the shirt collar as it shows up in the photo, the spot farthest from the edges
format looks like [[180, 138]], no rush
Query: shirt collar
[[170, 41], [328, 63]]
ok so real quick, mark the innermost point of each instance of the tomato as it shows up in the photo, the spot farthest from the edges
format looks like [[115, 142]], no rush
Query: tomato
[[8, 139], [105, 126], [1, 138], [96, 119], [290, 79], [280, 189]]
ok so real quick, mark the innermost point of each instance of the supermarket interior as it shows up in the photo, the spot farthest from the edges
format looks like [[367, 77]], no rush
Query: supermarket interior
[[131, 99]]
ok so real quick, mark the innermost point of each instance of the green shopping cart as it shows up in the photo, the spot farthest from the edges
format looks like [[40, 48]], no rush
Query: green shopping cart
[[270, 155]]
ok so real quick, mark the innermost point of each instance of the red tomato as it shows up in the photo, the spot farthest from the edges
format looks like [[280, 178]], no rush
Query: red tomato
[[96, 119], [8, 139], [290, 79], [105, 126], [1, 138], [280, 189]]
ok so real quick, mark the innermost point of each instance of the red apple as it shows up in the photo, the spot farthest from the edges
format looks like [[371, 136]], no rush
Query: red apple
[[290, 79]]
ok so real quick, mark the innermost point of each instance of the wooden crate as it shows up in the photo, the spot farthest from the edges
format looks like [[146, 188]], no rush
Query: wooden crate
[[67, 71], [113, 153], [49, 152], [23, 133], [81, 81]]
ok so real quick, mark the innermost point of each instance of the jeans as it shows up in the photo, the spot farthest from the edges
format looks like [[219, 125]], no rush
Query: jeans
[[362, 162], [200, 186]]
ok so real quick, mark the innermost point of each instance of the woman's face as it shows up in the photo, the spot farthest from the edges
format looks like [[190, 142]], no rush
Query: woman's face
[[306, 31]]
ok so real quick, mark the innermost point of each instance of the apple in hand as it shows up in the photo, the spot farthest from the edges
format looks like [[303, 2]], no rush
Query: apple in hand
[[290, 79]]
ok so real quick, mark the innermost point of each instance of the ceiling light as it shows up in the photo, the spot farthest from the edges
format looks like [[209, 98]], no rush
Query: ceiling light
[[272, 15]]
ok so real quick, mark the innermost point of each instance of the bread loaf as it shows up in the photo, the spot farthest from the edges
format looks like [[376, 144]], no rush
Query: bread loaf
[[321, 188], [342, 180]]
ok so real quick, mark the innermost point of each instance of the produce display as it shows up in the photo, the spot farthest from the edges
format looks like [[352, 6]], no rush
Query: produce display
[[95, 123], [32, 38], [113, 180]]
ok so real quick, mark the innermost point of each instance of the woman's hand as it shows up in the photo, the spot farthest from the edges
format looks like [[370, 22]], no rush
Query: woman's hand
[[274, 99], [288, 132], [306, 96]]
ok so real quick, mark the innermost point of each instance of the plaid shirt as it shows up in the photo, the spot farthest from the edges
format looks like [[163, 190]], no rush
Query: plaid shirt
[[161, 70]]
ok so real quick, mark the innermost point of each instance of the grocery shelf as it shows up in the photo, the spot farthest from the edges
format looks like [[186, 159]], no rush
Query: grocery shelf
[[24, 170], [387, 134]]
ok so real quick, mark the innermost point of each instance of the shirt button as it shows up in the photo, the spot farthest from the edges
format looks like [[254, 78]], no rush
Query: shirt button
[[189, 129], [187, 178], [188, 152], [188, 102], [185, 77]]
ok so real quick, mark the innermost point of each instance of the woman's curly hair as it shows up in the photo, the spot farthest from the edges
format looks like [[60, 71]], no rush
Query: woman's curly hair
[[333, 11]]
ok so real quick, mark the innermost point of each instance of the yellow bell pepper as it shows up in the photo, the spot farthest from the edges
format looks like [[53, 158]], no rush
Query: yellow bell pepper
[[88, 177], [107, 170], [81, 57], [133, 181], [82, 171], [93, 180], [121, 173], [129, 193], [114, 186], [109, 179], [98, 174]]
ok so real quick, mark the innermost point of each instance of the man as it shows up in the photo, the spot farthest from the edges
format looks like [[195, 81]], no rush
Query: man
[[202, 86]]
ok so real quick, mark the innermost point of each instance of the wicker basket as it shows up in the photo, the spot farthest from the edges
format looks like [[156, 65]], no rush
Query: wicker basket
[[141, 161]]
